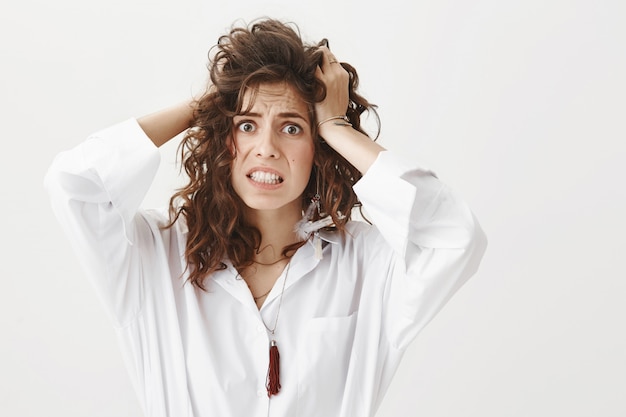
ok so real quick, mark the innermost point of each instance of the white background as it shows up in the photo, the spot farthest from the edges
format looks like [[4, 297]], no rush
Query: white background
[[519, 105]]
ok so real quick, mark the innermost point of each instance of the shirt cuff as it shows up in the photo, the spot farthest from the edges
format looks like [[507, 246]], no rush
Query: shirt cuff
[[389, 198], [126, 161]]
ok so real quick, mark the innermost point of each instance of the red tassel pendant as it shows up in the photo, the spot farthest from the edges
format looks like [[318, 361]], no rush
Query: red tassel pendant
[[273, 381]]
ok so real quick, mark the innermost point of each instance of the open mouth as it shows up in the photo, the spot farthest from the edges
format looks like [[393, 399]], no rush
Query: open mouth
[[265, 177]]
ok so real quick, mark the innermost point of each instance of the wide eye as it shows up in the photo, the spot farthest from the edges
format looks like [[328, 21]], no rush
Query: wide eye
[[246, 127], [292, 129]]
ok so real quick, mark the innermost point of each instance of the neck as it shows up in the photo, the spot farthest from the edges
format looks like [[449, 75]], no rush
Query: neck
[[277, 231]]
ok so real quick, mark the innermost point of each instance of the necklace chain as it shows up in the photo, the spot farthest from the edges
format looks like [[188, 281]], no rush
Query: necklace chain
[[262, 295], [280, 302], [269, 263], [258, 297]]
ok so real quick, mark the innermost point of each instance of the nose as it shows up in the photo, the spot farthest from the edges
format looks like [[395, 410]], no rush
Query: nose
[[266, 146]]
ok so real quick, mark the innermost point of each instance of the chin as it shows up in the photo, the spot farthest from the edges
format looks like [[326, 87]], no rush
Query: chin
[[270, 204], [261, 206]]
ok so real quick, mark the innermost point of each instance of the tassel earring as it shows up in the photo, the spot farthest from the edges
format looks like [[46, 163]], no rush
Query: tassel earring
[[306, 227]]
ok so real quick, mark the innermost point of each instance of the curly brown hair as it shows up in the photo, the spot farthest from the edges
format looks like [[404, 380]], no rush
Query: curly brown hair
[[266, 51]]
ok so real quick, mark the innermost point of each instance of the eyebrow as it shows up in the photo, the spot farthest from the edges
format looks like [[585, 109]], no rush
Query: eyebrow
[[284, 115]]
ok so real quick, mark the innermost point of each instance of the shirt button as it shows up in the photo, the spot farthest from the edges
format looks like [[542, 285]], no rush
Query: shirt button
[[259, 328], [260, 393]]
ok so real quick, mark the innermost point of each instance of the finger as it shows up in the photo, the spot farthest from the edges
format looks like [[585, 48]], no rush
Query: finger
[[328, 58], [319, 73]]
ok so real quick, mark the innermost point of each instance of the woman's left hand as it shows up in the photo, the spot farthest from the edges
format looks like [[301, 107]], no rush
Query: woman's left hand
[[336, 79], [353, 145]]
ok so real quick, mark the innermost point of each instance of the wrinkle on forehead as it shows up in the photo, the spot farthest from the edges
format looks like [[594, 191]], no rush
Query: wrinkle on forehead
[[280, 93]]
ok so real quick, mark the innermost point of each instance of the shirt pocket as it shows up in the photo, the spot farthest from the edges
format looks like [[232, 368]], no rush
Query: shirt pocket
[[323, 360]]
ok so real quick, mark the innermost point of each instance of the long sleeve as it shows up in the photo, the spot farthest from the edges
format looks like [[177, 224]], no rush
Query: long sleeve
[[436, 239], [95, 191]]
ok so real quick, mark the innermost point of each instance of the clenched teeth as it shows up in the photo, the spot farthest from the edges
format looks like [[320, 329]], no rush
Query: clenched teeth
[[265, 177]]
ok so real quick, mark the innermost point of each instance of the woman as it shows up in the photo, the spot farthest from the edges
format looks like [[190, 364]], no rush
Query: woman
[[258, 251]]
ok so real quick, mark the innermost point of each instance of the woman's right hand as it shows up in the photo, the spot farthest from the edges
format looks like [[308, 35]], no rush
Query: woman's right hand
[[163, 125]]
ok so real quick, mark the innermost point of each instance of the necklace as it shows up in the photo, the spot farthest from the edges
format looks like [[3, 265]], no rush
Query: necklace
[[273, 372], [269, 263], [261, 296], [258, 297]]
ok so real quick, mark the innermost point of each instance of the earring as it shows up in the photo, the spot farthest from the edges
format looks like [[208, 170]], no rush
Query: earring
[[306, 227]]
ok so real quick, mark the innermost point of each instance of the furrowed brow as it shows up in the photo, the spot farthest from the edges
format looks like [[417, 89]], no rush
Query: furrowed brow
[[284, 115], [288, 115]]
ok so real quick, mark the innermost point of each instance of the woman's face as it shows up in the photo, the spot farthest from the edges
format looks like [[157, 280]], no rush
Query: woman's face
[[274, 149]]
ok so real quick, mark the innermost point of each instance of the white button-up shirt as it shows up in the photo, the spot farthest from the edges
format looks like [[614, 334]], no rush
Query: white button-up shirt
[[345, 320]]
